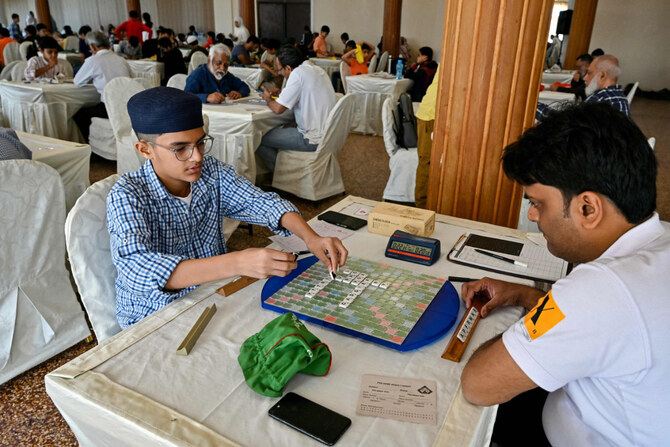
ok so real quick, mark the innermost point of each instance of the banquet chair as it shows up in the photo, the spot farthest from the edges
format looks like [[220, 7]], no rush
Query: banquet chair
[[383, 60], [39, 313], [117, 93], [6, 73], [87, 240], [631, 93], [372, 65], [71, 43], [316, 175], [18, 71], [23, 49], [345, 71], [652, 142], [177, 81], [11, 52], [402, 162], [197, 59], [69, 71]]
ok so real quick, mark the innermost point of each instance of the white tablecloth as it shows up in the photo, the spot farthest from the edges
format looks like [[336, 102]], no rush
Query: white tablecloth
[[135, 390], [330, 66], [46, 109], [250, 75], [555, 99], [149, 69], [549, 77], [71, 160], [371, 91]]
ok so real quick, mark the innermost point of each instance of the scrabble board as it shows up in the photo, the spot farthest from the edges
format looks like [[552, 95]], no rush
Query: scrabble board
[[394, 307]]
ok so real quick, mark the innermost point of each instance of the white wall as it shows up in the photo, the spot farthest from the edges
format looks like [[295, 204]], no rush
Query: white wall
[[637, 34]]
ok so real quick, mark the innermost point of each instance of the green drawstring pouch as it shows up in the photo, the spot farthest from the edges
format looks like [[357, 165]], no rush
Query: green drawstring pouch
[[284, 347]]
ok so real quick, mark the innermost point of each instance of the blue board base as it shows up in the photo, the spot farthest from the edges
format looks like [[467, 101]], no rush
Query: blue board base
[[436, 321]]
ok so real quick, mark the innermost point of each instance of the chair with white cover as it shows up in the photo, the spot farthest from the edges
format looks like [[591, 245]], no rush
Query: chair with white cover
[[402, 162], [316, 175], [197, 59], [24, 47], [71, 43], [372, 65], [117, 93], [345, 71], [177, 81], [11, 52], [631, 93], [101, 138], [18, 72], [383, 60], [652, 142], [6, 73], [69, 71], [39, 313], [88, 248]]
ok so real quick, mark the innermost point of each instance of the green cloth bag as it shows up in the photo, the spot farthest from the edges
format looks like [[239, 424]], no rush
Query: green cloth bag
[[284, 347]]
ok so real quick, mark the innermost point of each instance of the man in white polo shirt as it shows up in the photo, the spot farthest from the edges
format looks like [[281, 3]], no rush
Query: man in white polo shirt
[[598, 340], [309, 93], [101, 68]]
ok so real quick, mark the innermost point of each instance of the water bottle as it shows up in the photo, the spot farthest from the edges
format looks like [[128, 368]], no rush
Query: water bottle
[[398, 69]]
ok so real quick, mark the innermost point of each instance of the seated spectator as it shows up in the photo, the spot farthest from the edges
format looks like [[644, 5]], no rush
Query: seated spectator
[[192, 31], [336, 77], [11, 147], [130, 49], [42, 30], [220, 38], [309, 94], [194, 45], [421, 73], [601, 83], [210, 39], [351, 59], [84, 49], [270, 73], [212, 82], [67, 31], [45, 65], [31, 36], [4, 40], [320, 46], [181, 40], [240, 54], [150, 48], [172, 59], [577, 84], [229, 43]]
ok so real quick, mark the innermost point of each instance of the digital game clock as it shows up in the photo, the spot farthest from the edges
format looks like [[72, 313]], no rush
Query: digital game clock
[[408, 247]]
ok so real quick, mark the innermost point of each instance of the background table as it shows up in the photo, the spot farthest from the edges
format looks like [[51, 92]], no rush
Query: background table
[[371, 91], [71, 160], [135, 390], [250, 75], [330, 66], [555, 99], [149, 69], [46, 109], [549, 77]]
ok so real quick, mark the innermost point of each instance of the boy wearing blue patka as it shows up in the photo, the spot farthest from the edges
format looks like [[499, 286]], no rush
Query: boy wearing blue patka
[[165, 220]]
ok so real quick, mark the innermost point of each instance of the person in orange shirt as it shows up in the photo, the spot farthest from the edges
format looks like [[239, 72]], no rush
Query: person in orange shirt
[[4, 40], [320, 46], [355, 66]]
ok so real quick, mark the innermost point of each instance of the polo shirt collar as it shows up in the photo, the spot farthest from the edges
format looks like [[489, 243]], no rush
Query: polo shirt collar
[[636, 238]]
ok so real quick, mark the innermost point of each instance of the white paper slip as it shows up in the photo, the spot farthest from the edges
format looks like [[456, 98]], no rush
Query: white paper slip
[[403, 399], [294, 243]]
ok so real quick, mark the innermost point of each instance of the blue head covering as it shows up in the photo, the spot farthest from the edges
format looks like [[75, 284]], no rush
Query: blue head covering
[[164, 110]]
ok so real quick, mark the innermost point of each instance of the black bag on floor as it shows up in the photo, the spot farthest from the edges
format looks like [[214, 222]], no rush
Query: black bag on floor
[[404, 124]]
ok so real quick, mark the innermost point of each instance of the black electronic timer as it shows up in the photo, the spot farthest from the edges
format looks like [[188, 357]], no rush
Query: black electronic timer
[[408, 247]]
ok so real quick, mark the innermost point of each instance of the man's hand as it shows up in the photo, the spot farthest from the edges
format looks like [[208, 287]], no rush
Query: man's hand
[[553, 87], [265, 262], [234, 95], [266, 95], [323, 247], [500, 293], [215, 98]]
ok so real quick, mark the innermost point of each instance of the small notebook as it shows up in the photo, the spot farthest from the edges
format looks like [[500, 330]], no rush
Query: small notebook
[[542, 265]]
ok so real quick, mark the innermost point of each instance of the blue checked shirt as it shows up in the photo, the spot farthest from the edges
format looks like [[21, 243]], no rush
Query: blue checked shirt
[[613, 95], [152, 231]]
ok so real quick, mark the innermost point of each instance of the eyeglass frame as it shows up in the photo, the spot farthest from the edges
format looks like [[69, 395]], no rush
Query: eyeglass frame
[[204, 140]]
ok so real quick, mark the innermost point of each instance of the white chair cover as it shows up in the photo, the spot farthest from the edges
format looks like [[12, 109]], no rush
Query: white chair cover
[[316, 175], [383, 60], [11, 52], [101, 138], [652, 142], [6, 74], [402, 162], [18, 71], [69, 71], [345, 71], [117, 93], [39, 312], [87, 242], [197, 59], [372, 65], [71, 43], [631, 93], [23, 49], [177, 81]]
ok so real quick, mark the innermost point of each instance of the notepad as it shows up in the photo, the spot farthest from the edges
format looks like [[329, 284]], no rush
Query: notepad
[[542, 265]]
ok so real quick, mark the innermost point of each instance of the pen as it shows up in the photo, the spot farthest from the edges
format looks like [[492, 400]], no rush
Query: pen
[[461, 279], [502, 258]]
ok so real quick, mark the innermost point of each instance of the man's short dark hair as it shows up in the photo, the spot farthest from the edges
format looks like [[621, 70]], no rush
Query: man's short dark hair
[[229, 43], [4, 32], [220, 37], [134, 14], [290, 56], [133, 41], [165, 42], [597, 52], [83, 30], [30, 29], [427, 51], [351, 44], [344, 36], [586, 57], [325, 29], [47, 42], [40, 27], [272, 44], [588, 147], [211, 34], [254, 39], [15, 16]]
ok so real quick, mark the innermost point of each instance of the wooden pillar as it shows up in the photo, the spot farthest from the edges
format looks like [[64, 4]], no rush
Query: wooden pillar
[[391, 32], [581, 28], [248, 14], [43, 13], [134, 5], [490, 71]]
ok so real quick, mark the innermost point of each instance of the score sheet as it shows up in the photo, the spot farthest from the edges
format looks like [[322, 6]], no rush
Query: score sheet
[[409, 400]]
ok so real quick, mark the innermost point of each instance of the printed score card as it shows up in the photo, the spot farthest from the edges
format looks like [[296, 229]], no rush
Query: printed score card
[[409, 400]]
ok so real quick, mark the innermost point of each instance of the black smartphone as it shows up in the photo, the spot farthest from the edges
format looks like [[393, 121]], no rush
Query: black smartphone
[[342, 220], [310, 418]]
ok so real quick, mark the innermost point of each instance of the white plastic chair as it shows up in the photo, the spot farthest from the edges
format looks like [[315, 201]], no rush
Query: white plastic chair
[[117, 93], [23, 49], [402, 162], [11, 52], [372, 65], [18, 71], [345, 71], [39, 313], [177, 81], [197, 59], [6, 74], [94, 273], [631, 93], [316, 175], [383, 60], [71, 43]]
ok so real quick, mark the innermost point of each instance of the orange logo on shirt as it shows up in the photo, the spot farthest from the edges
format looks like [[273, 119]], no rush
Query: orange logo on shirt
[[542, 317]]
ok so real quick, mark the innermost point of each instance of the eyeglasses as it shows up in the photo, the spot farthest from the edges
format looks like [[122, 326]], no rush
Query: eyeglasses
[[185, 152]]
